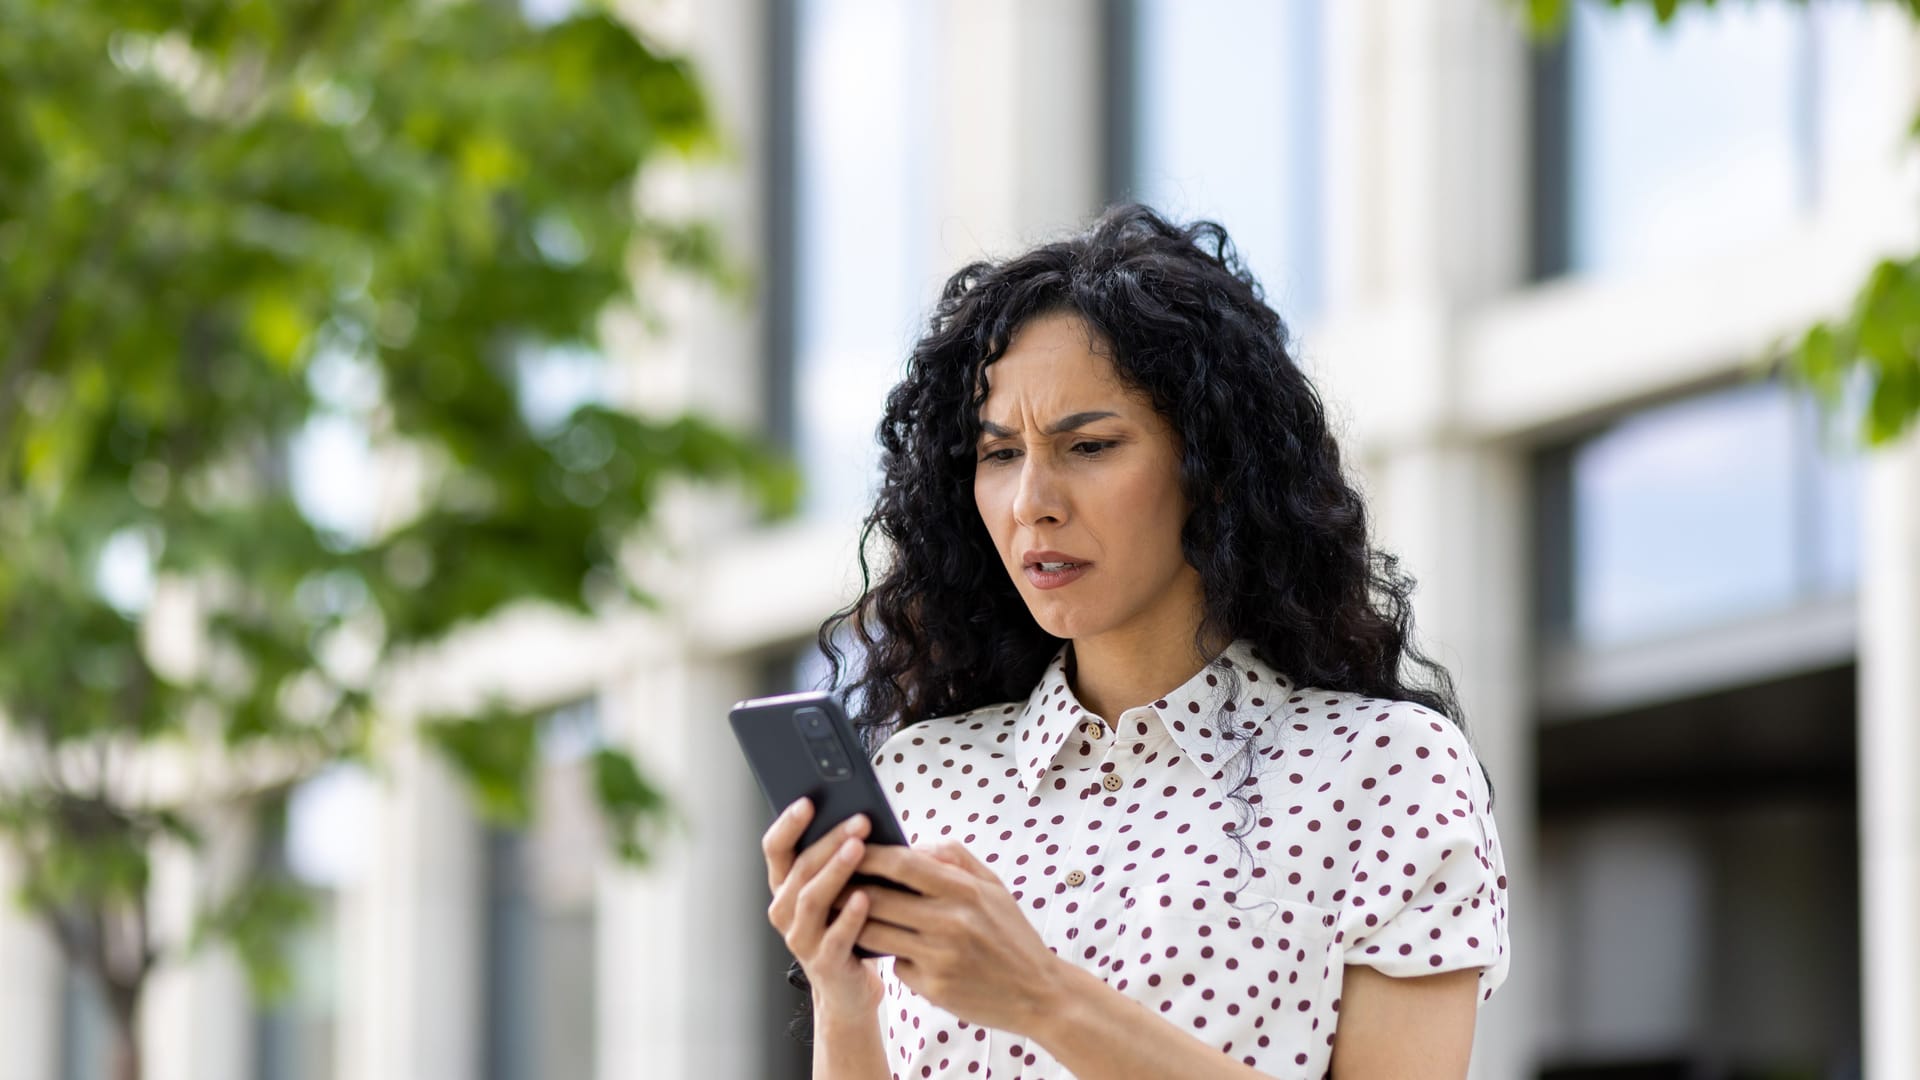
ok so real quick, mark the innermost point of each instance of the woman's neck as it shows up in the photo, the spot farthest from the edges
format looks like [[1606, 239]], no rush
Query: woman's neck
[[1111, 674]]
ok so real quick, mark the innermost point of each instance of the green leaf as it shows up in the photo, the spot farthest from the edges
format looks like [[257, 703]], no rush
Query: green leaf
[[495, 754], [256, 920], [226, 226], [628, 802]]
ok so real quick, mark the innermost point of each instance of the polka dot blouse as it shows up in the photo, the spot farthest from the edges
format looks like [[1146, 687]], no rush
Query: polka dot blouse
[[1364, 838]]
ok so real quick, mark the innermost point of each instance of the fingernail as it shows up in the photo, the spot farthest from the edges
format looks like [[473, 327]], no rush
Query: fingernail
[[855, 822], [849, 848], [794, 806]]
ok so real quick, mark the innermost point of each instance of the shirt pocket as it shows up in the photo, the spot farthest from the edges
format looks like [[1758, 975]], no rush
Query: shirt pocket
[[1249, 972]]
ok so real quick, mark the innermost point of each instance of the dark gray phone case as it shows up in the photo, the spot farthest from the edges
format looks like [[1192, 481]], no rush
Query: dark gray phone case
[[802, 745]]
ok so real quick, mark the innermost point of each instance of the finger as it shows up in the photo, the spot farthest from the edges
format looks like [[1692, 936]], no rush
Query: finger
[[917, 870], [881, 938], [896, 908], [846, 927], [812, 903], [777, 843], [819, 854], [954, 853]]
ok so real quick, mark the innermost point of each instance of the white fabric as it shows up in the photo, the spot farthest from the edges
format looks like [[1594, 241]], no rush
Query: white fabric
[[1367, 835]]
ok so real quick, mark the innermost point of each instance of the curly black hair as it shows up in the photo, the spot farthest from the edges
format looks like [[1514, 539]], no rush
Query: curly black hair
[[1278, 535]]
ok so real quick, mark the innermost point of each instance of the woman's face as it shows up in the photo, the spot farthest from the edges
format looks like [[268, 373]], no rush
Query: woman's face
[[1073, 467]]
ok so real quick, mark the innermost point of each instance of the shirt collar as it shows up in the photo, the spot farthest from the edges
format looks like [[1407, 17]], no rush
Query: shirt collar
[[1236, 688]]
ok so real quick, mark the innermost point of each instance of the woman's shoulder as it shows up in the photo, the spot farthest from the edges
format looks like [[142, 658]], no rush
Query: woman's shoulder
[[1378, 739], [986, 727]]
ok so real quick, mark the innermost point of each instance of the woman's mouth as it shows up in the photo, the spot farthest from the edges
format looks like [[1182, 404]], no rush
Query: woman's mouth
[[1052, 575]]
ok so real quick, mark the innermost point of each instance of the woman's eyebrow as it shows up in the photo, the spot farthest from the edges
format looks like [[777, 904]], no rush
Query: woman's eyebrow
[[1065, 423]]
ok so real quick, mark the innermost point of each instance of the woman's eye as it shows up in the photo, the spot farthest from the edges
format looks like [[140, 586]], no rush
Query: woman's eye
[[1086, 447]]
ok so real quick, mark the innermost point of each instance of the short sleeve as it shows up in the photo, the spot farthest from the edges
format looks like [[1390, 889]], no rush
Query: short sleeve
[[1430, 888]]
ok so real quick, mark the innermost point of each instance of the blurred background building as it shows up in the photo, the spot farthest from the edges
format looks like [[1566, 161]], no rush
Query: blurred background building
[[1531, 282]]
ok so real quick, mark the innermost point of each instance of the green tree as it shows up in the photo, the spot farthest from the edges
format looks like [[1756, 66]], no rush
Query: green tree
[[224, 223], [1873, 347]]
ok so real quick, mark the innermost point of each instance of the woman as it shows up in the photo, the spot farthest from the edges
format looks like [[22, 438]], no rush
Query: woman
[[1173, 811]]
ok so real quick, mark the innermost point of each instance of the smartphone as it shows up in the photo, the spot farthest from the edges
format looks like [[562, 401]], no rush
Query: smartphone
[[803, 745]]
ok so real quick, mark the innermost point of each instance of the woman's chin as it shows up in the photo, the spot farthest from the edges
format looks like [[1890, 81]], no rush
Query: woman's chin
[[1064, 621]]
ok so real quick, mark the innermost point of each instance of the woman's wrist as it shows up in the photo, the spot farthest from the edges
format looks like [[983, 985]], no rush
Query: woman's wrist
[[1064, 998], [842, 1014], [847, 1044]]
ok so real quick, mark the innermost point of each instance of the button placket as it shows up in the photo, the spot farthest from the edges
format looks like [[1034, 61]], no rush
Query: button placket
[[1099, 785]]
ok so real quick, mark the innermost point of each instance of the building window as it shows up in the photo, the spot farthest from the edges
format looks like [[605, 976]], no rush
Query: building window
[[853, 216], [1765, 112], [86, 1027], [1718, 941], [541, 935], [1696, 716], [314, 839], [1696, 513], [1226, 100]]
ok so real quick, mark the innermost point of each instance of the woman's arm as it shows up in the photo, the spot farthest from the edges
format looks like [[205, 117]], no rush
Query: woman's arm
[[846, 989], [1407, 1029], [1099, 1033], [847, 1047], [965, 946], [1418, 1027]]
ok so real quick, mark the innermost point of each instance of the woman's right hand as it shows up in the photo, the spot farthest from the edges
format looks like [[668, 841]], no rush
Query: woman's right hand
[[805, 887]]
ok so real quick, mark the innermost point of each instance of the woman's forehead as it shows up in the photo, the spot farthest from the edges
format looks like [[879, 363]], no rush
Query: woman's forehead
[[1042, 391], [1052, 355]]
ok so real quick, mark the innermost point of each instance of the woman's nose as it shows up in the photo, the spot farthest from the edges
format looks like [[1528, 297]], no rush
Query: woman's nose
[[1039, 497]]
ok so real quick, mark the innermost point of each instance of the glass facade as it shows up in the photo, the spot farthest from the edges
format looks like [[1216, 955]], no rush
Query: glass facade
[[86, 1027], [1658, 117], [1748, 969], [1703, 510], [539, 955], [1698, 862], [861, 217], [1227, 107], [315, 839]]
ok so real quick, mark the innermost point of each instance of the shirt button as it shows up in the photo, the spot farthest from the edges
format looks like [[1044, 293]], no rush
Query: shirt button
[[1092, 729], [1111, 782], [1075, 877]]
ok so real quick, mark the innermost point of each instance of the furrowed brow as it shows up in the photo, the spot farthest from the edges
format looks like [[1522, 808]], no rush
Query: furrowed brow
[[1065, 423], [1079, 420]]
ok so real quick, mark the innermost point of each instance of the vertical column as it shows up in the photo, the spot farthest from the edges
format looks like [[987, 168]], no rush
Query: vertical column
[[1457, 517], [1426, 136], [1357, 166], [681, 969], [709, 355], [30, 970], [678, 971], [1453, 84], [195, 1019], [1020, 104], [412, 932], [1889, 749], [1434, 221], [647, 959]]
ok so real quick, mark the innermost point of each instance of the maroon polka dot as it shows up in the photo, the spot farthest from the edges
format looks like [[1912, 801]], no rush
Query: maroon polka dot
[[1226, 916]]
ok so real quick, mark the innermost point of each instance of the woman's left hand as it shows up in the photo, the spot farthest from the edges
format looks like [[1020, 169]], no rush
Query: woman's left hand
[[963, 944]]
